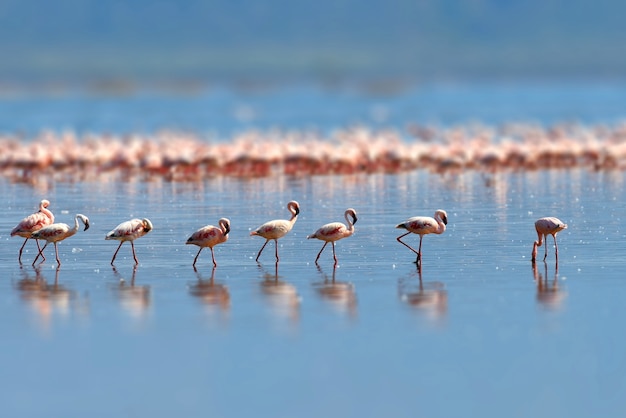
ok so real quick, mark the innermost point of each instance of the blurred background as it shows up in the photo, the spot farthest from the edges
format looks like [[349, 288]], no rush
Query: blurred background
[[116, 45], [216, 67]]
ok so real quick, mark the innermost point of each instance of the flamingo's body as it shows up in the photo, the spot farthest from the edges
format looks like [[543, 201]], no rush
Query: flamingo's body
[[544, 227], [423, 225], [335, 231], [129, 231], [210, 236], [58, 232], [273, 230], [32, 223]]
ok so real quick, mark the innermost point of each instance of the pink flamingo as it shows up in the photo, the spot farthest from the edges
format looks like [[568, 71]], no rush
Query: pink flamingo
[[423, 225], [32, 223], [129, 231], [278, 228], [547, 226], [210, 236], [58, 232], [335, 231]]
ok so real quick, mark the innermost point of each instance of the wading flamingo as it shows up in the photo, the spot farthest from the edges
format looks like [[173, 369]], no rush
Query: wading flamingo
[[547, 226], [210, 236], [278, 228], [334, 232], [129, 231], [58, 232], [32, 223], [423, 225]]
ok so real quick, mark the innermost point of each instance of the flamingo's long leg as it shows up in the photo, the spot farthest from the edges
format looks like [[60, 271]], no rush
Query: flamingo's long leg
[[56, 251], [43, 257], [41, 254], [213, 257], [197, 255], [556, 247], [320, 253], [132, 245], [19, 257], [407, 245], [39, 248], [261, 250], [116, 251], [419, 253]]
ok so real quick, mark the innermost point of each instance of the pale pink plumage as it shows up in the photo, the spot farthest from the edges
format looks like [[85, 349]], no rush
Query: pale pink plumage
[[210, 236], [544, 227], [33, 223], [58, 232], [423, 225], [129, 231], [273, 230], [335, 231]]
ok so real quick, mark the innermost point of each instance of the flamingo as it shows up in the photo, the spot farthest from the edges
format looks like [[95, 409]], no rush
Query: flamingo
[[423, 225], [32, 223], [334, 232], [58, 232], [547, 226], [210, 236], [278, 228], [129, 231]]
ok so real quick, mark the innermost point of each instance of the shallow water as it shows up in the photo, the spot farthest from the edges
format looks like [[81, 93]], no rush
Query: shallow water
[[483, 333]]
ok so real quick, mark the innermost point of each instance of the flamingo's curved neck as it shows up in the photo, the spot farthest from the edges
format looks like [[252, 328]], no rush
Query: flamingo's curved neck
[[46, 212], [224, 227], [75, 229], [349, 221], [442, 226], [539, 241], [294, 213], [75, 224]]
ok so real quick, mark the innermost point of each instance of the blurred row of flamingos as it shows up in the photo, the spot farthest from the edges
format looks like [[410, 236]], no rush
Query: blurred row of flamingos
[[188, 156]]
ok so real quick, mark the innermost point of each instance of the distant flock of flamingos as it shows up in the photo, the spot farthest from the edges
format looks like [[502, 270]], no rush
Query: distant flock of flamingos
[[189, 157], [40, 226]]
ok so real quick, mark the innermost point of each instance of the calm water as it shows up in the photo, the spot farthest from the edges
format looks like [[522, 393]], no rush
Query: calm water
[[482, 333]]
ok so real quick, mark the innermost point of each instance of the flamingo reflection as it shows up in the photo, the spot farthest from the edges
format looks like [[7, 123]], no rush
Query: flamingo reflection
[[341, 295], [134, 299], [282, 296], [44, 298], [429, 297], [549, 295], [211, 293]]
